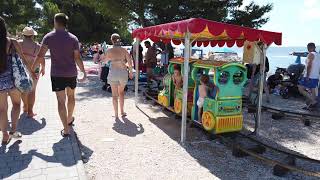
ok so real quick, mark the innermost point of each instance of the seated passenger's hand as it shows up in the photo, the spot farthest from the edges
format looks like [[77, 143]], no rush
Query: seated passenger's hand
[[130, 75]]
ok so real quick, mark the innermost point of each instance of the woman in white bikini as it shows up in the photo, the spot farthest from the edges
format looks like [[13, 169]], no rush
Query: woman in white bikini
[[120, 69], [30, 50]]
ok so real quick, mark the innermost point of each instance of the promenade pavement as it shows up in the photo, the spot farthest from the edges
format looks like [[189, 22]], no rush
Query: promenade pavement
[[42, 153]]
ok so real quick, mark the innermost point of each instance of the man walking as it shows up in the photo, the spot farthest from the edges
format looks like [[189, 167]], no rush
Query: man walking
[[65, 55], [150, 61], [311, 76]]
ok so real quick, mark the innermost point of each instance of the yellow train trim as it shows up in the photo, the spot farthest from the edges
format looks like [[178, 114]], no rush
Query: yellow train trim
[[228, 124]]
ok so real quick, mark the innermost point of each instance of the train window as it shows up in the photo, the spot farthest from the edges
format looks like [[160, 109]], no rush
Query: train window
[[238, 77], [223, 77]]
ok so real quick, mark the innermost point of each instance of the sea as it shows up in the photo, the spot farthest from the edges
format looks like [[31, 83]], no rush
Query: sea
[[278, 56]]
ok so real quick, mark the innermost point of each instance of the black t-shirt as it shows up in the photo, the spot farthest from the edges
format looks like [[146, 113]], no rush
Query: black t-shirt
[[266, 68], [250, 68]]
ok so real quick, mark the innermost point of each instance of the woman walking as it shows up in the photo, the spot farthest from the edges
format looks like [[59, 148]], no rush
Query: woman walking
[[30, 50], [120, 68], [7, 87]]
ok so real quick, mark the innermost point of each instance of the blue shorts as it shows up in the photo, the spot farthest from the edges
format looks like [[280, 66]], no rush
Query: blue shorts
[[311, 83]]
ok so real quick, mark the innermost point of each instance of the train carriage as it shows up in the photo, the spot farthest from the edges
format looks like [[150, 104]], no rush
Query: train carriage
[[169, 96]]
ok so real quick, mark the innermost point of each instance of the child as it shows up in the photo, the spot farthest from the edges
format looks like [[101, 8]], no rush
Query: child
[[177, 78], [203, 90]]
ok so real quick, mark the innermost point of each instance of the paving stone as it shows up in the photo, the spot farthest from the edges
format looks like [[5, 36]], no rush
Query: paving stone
[[37, 164], [40, 177], [3, 164], [60, 172], [13, 177], [4, 171], [23, 157], [6, 158], [73, 178], [53, 164], [30, 173], [14, 164], [41, 153]]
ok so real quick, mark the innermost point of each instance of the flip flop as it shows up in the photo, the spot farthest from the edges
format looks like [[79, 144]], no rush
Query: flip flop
[[313, 105], [63, 134], [6, 142], [124, 115], [71, 123], [310, 107]]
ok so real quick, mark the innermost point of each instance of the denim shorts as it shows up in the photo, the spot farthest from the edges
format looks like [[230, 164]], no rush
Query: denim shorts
[[311, 83]]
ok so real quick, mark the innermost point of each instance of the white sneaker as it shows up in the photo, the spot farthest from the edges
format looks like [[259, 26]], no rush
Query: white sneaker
[[15, 134]]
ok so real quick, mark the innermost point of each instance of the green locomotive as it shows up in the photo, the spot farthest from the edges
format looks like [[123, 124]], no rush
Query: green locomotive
[[222, 109]]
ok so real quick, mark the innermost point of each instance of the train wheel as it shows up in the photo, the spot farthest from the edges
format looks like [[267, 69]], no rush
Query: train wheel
[[208, 121], [177, 106], [165, 101]]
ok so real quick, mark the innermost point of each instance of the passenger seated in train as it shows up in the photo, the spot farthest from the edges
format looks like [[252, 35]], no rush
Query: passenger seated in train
[[177, 78], [203, 92]]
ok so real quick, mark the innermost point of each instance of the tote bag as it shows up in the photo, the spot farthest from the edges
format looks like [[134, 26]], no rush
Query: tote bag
[[22, 80]]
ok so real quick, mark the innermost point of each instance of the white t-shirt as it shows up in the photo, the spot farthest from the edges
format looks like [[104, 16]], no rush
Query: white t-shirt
[[315, 67]]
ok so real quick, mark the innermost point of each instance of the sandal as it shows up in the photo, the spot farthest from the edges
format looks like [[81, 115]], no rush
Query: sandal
[[123, 114], [313, 105], [16, 134], [63, 134], [71, 123]]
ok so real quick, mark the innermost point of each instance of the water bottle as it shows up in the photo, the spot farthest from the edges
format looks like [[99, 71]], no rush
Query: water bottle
[[80, 77]]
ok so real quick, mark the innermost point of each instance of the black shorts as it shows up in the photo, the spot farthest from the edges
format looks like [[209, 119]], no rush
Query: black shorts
[[151, 65], [61, 83]]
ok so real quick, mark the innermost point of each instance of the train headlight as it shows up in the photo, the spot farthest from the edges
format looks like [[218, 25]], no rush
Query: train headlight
[[220, 108], [238, 107], [238, 77], [224, 77]]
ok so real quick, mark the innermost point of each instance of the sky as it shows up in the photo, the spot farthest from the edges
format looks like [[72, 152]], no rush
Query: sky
[[298, 20]]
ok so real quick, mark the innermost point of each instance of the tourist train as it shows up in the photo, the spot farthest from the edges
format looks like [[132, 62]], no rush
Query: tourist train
[[222, 109]]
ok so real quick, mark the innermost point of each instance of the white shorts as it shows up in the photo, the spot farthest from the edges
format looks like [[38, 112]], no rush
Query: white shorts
[[200, 102]]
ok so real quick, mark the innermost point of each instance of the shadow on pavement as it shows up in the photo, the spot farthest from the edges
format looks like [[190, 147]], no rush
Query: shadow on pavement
[[65, 152], [13, 161], [85, 151], [28, 126], [62, 153], [126, 127]]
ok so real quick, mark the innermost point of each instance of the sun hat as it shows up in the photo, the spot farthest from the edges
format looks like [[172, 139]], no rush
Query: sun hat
[[28, 31]]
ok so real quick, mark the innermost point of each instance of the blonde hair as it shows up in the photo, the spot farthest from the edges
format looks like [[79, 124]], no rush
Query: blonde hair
[[204, 78], [115, 37]]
